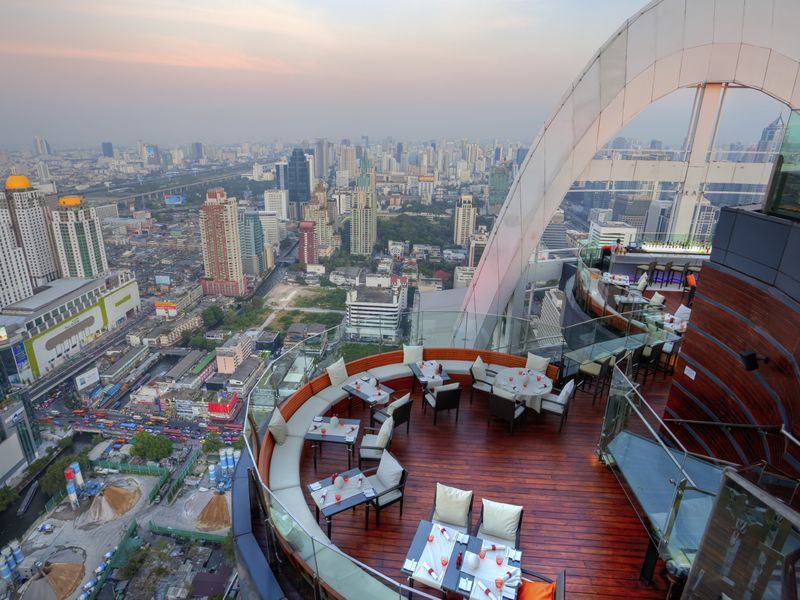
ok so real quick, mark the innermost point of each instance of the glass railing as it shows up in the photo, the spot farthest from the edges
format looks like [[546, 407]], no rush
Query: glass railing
[[671, 489]]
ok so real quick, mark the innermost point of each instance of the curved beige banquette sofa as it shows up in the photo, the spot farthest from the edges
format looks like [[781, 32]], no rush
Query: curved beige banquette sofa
[[279, 465]]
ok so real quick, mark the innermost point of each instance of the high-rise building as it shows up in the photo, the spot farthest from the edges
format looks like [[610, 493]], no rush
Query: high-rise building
[[601, 234], [318, 211], [307, 252], [222, 254], [24, 205], [704, 222], [321, 158], [15, 283], [197, 151], [298, 183], [477, 243], [364, 212], [347, 160], [42, 172], [277, 201], [464, 223], [41, 146], [632, 209], [282, 175], [78, 239], [770, 142], [151, 157], [499, 184], [271, 227], [108, 149], [251, 238]]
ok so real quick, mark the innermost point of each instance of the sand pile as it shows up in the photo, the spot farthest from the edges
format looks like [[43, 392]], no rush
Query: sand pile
[[215, 515], [56, 581], [111, 503]]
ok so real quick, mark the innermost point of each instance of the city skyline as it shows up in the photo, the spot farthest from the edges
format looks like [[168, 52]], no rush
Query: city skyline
[[427, 70]]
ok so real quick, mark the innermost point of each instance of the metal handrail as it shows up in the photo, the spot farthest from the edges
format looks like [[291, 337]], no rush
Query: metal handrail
[[765, 428]]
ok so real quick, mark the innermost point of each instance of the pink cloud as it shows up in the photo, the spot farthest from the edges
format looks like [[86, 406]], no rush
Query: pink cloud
[[192, 56]]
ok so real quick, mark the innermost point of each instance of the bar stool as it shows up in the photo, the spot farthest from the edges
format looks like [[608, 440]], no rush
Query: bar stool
[[694, 268], [664, 270], [648, 268], [681, 270]]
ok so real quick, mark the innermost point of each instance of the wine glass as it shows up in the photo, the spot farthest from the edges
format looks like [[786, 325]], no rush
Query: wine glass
[[499, 560]]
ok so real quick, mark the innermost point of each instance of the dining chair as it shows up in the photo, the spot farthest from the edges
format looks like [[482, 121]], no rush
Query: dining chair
[[443, 397], [399, 410], [373, 444], [558, 404], [505, 407], [499, 523], [389, 482]]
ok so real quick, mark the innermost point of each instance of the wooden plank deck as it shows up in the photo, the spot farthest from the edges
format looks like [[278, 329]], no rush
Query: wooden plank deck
[[576, 515]]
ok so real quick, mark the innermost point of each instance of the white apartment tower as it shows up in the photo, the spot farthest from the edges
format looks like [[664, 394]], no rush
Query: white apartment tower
[[15, 284], [78, 239], [465, 220], [30, 228], [277, 201]]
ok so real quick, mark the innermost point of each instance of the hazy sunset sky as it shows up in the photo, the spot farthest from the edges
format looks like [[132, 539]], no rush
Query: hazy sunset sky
[[175, 71]]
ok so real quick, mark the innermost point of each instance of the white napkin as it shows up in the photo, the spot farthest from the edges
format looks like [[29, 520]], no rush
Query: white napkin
[[487, 592], [410, 565], [317, 419], [349, 438], [490, 547], [315, 486]]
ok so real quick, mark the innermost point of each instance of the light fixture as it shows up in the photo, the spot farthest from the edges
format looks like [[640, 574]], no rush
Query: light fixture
[[750, 360]]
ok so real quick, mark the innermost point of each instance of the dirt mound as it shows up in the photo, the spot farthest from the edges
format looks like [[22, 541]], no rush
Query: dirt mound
[[57, 581], [215, 515], [111, 503]]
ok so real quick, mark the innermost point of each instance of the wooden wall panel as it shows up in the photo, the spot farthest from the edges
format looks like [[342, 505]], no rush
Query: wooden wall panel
[[729, 316]]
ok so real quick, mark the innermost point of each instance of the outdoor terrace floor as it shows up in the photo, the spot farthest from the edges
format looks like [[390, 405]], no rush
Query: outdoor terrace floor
[[576, 517]]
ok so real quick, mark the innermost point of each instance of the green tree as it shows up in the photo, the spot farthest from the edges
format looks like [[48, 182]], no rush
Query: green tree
[[212, 443], [53, 480], [238, 443], [7, 496], [151, 447], [213, 316]]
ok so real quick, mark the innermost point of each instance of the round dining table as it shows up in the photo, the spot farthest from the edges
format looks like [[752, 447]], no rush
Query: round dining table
[[526, 385]]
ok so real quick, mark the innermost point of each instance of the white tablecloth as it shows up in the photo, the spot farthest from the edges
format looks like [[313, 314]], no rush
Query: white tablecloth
[[371, 390], [351, 488], [432, 555], [430, 373], [487, 571], [513, 380], [341, 430]]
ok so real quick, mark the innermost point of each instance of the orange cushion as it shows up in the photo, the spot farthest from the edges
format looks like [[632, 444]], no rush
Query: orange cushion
[[536, 590], [691, 281]]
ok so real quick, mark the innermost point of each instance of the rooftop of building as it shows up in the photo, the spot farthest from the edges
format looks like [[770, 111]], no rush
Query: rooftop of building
[[53, 294], [374, 295]]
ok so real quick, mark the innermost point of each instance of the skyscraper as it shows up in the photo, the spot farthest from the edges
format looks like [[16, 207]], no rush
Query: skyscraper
[[108, 149], [307, 252], [298, 183], [41, 146], [282, 175], [42, 172], [15, 283], [30, 229], [363, 212], [222, 254], [771, 138], [197, 151], [251, 237], [78, 239], [499, 184], [464, 223], [318, 211], [321, 158]]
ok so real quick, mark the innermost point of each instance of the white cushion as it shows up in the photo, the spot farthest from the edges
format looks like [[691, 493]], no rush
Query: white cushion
[[370, 441], [501, 519], [389, 372], [553, 407], [302, 418], [642, 284], [332, 394], [482, 386], [495, 539], [504, 393], [277, 427], [519, 410], [430, 399], [445, 388], [566, 392], [657, 299], [389, 470], [537, 363], [412, 354], [456, 367], [284, 466], [452, 505], [397, 404], [337, 372], [385, 432], [479, 369], [683, 313]]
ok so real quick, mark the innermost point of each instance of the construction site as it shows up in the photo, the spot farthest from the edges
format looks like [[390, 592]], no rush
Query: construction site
[[68, 552]]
